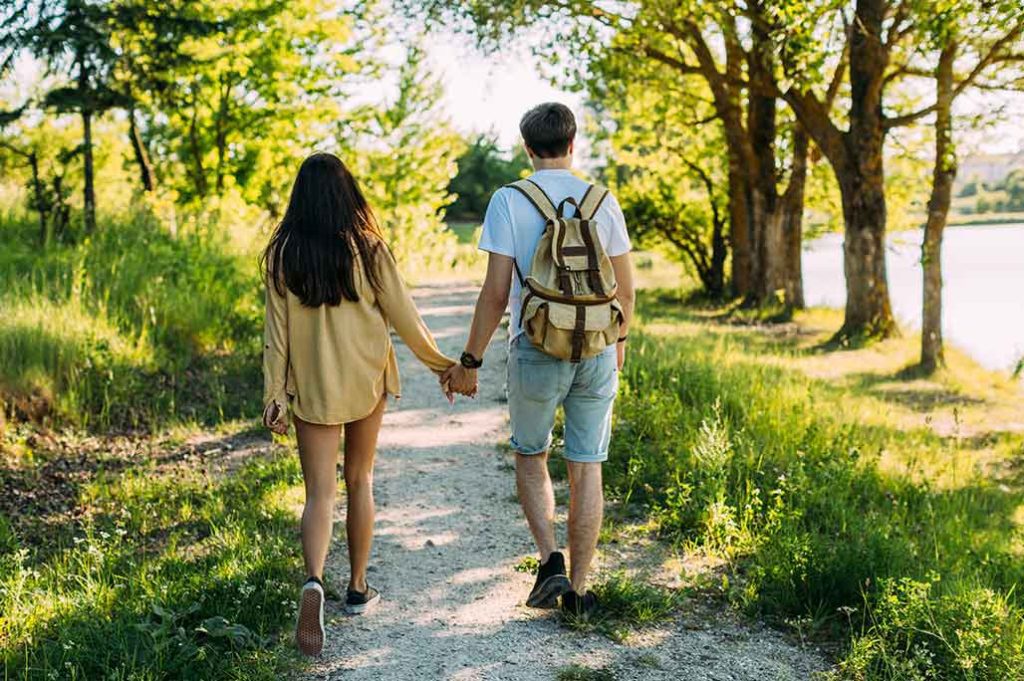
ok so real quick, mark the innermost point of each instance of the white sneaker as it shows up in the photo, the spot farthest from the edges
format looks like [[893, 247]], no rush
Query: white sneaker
[[309, 631]]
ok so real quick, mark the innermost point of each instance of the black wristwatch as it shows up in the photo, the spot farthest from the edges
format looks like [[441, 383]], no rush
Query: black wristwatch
[[470, 362]]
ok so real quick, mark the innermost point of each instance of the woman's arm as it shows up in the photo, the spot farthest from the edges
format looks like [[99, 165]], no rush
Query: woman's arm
[[401, 312], [275, 360]]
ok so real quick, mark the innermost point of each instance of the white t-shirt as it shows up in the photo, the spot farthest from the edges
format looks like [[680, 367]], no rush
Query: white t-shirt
[[513, 226]]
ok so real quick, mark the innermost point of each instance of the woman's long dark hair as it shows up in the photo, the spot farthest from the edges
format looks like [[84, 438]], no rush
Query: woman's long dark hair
[[328, 223]]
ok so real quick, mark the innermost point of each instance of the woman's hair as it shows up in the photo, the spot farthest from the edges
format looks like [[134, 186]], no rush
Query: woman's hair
[[326, 226]]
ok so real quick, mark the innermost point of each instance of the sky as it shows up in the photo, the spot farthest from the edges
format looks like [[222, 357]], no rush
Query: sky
[[489, 93]]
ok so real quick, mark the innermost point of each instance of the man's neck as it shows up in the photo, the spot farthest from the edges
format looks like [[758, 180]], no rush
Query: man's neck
[[562, 163]]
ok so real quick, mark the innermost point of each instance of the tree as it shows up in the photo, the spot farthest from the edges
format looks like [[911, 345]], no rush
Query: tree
[[482, 167], [878, 37], [259, 91], [668, 173], [73, 38], [404, 156], [953, 29], [710, 42]]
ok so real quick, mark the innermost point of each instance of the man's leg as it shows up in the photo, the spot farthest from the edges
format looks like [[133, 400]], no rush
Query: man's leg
[[586, 509], [537, 497], [588, 420]]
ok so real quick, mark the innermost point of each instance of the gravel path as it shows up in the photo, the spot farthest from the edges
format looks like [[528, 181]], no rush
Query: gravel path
[[449, 533]]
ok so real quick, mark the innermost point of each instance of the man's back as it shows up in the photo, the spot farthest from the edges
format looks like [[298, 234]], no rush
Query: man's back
[[513, 226]]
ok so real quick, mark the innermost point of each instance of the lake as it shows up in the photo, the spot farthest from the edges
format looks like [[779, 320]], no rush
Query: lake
[[983, 292]]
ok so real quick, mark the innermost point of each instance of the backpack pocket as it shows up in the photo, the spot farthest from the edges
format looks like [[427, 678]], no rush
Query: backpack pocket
[[554, 327]]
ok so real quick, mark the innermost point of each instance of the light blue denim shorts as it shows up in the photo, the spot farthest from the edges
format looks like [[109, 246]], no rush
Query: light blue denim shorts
[[538, 383]]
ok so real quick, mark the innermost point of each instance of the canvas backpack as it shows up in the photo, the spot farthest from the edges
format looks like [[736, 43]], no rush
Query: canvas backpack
[[569, 309]]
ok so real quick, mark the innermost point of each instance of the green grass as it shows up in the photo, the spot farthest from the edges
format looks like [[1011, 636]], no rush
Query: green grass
[[163, 571], [821, 501], [626, 604], [129, 328], [577, 672]]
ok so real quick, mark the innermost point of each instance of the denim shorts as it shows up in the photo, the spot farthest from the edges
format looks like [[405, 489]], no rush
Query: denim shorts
[[538, 383]]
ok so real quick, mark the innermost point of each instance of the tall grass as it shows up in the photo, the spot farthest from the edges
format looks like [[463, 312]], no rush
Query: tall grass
[[740, 456], [130, 327]]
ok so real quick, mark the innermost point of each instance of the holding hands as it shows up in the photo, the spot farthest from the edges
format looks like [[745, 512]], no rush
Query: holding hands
[[459, 379]]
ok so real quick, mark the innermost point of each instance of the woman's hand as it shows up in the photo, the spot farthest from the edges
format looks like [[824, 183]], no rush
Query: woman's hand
[[275, 417]]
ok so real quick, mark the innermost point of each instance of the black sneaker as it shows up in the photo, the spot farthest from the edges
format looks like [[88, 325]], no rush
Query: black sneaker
[[359, 602], [551, 583], [574, 605]]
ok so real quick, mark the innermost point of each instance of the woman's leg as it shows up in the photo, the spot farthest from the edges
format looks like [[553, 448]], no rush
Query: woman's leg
[[318, 452], [360, 448]]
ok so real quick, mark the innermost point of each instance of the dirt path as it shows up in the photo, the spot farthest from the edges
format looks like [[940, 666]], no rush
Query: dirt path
[[449, 533]]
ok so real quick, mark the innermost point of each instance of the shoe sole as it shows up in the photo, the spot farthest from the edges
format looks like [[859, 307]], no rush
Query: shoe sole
[[309, 634], [546, 595], [362, 608]]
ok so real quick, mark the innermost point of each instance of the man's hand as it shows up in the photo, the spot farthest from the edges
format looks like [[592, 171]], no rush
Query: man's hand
[[276, 418], [461, 380], [620, 354]]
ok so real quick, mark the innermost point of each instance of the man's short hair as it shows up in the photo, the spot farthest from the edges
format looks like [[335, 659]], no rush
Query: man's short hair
[[548, 129]]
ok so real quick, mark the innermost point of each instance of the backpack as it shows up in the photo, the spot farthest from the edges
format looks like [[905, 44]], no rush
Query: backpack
[[569, 309]]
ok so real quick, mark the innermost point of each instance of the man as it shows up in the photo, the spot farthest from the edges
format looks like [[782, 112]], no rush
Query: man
[[539, 383]]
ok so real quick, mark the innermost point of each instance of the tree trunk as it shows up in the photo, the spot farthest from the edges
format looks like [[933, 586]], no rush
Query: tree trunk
[[141, 155], [862, 182], [868, 312], [199, 171], [762, 130], [89, 203], [792, 227], [38, 200], [719, 253], [944, 174], [739, 228]]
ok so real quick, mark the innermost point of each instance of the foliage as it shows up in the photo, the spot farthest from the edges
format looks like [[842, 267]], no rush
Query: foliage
[[482, 168], [668, 175], [781, 475], [404, 156], [255, 96], [926, 630], [171, 573]]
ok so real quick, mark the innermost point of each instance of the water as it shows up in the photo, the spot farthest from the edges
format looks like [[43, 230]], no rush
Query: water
[[983, 291]]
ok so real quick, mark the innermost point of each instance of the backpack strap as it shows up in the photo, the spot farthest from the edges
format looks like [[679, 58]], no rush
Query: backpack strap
[[592, 201], [532, 191]]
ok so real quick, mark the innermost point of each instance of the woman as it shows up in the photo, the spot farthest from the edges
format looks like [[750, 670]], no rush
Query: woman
[[332, 291]]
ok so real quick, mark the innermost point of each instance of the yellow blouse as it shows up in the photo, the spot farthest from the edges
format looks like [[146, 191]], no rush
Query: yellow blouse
[[336, 362]]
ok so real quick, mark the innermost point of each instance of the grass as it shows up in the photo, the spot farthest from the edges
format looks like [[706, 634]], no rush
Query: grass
[[161, 569], [577, 672], [626, 605], [848, 500], [130, 328]]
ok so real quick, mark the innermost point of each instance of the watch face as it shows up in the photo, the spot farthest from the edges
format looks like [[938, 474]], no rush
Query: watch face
[[469, 361]]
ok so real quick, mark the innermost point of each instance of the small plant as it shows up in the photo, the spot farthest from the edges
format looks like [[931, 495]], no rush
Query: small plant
[[529, 565], [624, 605], [577, 672]]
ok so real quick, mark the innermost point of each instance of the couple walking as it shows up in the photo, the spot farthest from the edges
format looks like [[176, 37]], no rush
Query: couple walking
[[558, 257]]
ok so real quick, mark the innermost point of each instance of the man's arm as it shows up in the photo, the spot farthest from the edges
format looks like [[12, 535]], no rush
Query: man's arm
[[490, 307], [626, 295]]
